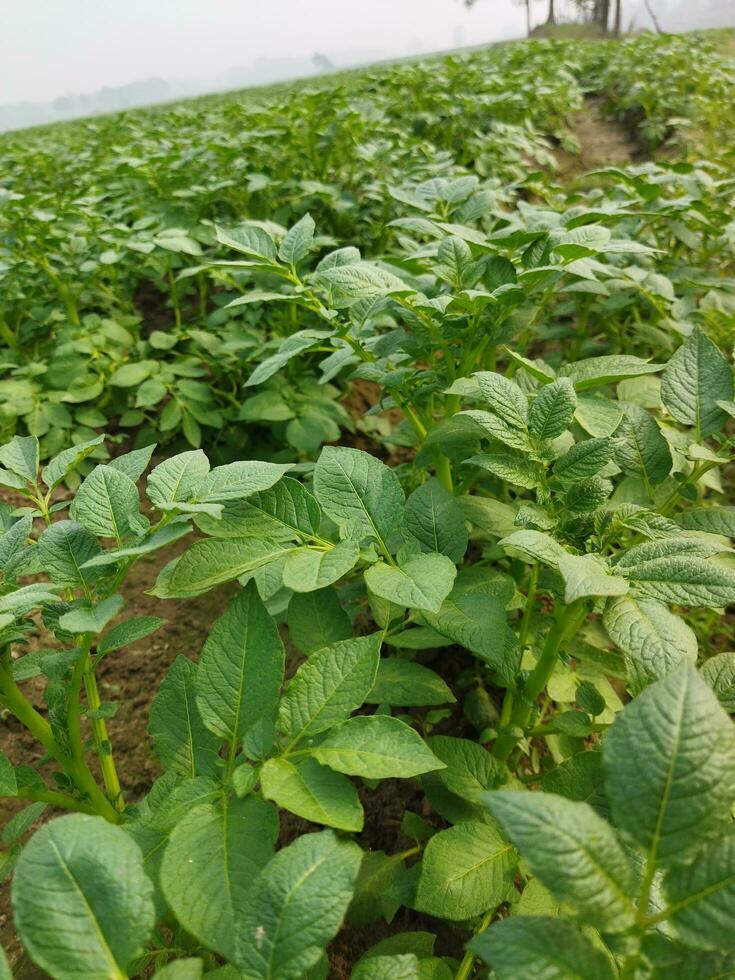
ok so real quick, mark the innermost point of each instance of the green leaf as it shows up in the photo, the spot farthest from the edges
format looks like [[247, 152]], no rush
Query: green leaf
[[176, 478], [403, 683], [249, 239], [235, 480], [713, 520], [654, 640], [402, 966], [332, 684], [552, 410], [641, 448], [585, 459], [296, 906], [297, 241], [719, 672], [701, 897], [180, 740], [106, 502], [83, 905], [92, 619], [317, 619], [133, 464], [540, 946], [240, 669], [498, 427], [209, 864], [588, 575], [693, 381], [20, 456], [165, 535], [291, 347], [466, 870], [348, 284], [131, 375], [67, 460], [670, 767], [359, 492], [573, 851], [470, 769], [504, 398], [188, 969], [64, 548], [608, 369], [684, 579], [309, 569], [211, 562], [286, 511], [8, 782], [434, 519], [313, 792], [130, 631], [421, 582], [474, 620], [376, 747], [533, 546]]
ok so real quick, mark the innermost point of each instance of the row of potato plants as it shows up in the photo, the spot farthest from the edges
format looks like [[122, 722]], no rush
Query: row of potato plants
[[118, 313], [549, 521]]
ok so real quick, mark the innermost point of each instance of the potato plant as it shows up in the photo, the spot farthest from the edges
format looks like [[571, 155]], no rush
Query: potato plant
[[495, 592]]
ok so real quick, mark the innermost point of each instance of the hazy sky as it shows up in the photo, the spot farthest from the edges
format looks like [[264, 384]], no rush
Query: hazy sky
[[55, 47]]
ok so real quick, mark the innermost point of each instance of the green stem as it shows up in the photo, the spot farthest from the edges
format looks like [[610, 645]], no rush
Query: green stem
[[101, 739], [566, 625], [467, 965], [61, 800]]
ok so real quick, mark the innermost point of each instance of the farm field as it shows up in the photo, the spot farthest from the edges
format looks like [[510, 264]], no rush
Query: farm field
[[366, 525]]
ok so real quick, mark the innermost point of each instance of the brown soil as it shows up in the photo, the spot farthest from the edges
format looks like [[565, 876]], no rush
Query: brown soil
[[603, 143]]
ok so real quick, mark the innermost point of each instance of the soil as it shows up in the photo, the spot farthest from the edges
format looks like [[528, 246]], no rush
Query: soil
[[603, 142]]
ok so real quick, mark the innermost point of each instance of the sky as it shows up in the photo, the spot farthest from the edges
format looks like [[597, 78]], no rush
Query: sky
[[50, 48]]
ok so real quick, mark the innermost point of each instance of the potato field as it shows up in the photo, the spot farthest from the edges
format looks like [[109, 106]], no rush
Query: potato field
[[366, 525]]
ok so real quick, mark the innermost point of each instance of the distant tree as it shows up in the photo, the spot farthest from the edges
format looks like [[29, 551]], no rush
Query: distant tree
[[321, 62], [527, 5], [618, 16]]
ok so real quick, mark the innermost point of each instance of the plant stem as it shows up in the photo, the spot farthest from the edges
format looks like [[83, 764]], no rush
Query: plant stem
[[468, 963], [101, 738], [566, 625]]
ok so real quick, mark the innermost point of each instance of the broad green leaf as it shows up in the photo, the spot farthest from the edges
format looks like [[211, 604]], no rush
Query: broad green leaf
[[701, 896], [296, 906], [608, 369], [573, 851], [588, 575], [376, 747], [313, 792], [474, 620], [67, 460], [180, 740], [470, 769], [240, 669], [641, 448], [552, 410], [434, 519], [503, 397], [291, 347], [235, 480], [348, 284], [13, 546], [64, 548], [713, 520], [249, 239], [687, 580], [297, 241], [401, 966], [91, 618], [512, 467], [20, 456], [309, 569], [719, 672], [653, 639], [317, 619], [359, 492], [164, 536], [466, 870], [187, 969], [106, 502], [585, 459], [8, 781], [693, 381], [83, 905], [332, 684], [541, 947], [498, 427], [209, 864], [211, 562], [421, 582], [404, 683], [176, 478], [533, 546], [670, 766], [285, 512]]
